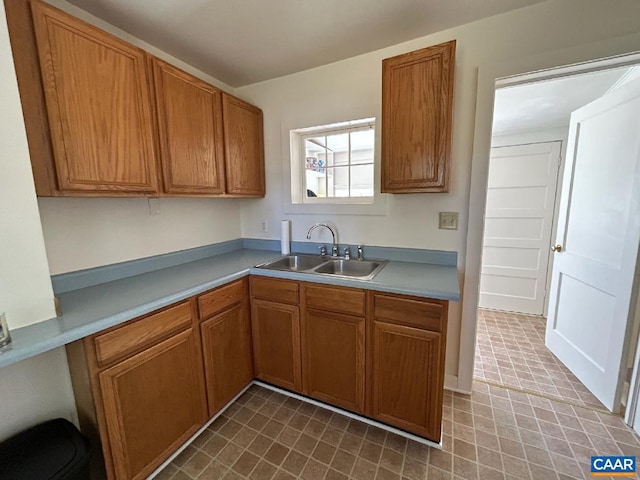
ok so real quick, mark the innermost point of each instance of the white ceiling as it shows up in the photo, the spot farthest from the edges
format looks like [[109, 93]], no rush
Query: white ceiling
[[246, 41], [548, 104]]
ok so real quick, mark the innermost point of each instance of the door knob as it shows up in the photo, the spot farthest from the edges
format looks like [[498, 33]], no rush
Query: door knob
[[556, 248]]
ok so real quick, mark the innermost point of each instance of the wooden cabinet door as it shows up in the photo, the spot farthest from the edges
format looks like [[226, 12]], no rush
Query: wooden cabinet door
[[276, 343], [408, 378], [417, 101], [334, 358], [99, 107], [153, 402], [244, 147], [190, 126], [228, 356]]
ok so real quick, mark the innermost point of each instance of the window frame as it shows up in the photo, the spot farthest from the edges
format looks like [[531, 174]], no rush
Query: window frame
[[298, 170], [350, 127]]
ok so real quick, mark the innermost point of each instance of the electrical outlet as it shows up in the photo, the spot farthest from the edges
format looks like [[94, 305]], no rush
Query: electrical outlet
[[265, 226]]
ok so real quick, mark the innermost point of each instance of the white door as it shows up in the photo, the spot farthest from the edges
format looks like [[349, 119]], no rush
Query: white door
[[599, 231], [517, 231]]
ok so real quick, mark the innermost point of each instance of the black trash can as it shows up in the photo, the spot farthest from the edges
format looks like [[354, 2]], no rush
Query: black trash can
[[53, 450]]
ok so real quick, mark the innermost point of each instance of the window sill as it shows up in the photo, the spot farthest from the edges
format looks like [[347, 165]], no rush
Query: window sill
[[378, 207]]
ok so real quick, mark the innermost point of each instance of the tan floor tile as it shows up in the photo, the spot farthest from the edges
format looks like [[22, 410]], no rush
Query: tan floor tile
[[276, 454], [196, 464], [465, 468], [214, 471], [370, 451], [391, 460], [245, 463], [272, 429], [263, 471], [213, 446], [334, 475], [306, 444], [289, 436], [282, 475], [314, 470], [384, 474], [260, 445], [364, 470], [324, 452], [185, 455], [229, 454], [332, 435], [351, 443], [343, 462], [295, 462], [245, 436]]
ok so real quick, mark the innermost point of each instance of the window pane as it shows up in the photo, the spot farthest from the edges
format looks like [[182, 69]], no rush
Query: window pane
[[362, 181], [338, 182], [314, 155], [362, 143], [339, 145], [315, 183]]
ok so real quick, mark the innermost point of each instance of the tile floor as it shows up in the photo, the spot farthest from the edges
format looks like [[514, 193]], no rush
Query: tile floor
[[495, 433], [510, 352]]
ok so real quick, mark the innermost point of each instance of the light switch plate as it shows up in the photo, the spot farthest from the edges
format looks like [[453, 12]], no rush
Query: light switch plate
[[448, 221]]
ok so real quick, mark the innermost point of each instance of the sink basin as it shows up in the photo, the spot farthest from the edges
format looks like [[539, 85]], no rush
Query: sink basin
[[362, 269], [338, 267], [295, 263]]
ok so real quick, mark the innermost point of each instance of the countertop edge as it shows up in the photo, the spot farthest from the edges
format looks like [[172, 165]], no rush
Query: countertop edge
[[50, 334]]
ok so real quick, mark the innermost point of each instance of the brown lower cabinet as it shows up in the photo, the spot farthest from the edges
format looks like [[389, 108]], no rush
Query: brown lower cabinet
[[144, 387], [226, 343], [140, 389], [406, 358], [333, 345]]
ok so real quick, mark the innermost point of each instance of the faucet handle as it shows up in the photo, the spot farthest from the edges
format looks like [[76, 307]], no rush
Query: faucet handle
[[347, 253], [323, 251], [360, 254]]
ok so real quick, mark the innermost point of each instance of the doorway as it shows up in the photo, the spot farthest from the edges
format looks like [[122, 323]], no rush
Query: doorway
[[530, 127]]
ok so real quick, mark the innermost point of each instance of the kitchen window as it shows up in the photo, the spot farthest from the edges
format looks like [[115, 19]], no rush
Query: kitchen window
[[334, 164]]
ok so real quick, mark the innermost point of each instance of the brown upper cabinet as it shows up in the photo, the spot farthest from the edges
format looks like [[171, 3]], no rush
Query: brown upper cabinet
[[244, 147], [190, 128], [417, 104], [104, 118], [98, 104]]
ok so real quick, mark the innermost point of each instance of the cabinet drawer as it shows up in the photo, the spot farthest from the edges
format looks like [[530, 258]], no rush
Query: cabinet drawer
[[274, 289], [335, 299], [134, 337], [223, 297], [414, 312]]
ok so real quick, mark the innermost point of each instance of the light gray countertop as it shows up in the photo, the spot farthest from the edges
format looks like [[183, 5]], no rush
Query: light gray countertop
[[92, 309]]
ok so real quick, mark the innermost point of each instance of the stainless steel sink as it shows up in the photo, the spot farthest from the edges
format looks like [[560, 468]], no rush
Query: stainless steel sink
[[295, 263], [318, 265], [363, 269]]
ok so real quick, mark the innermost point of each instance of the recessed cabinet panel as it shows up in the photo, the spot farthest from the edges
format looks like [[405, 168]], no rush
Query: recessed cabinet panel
[[407, 378], [334, 358], [99, 106], [228, 358], [276, 343], [244, 147], [153, 402], [190, 127], [417, 102]]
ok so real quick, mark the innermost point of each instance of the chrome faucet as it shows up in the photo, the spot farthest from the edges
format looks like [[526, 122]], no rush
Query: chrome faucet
[[334, 247]]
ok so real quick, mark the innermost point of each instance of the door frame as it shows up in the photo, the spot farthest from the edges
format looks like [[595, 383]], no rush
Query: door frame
[[585, 58]]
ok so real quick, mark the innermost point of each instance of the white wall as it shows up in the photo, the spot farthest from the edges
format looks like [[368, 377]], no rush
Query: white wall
[[83, 233], [351, 89], [39, 388]]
